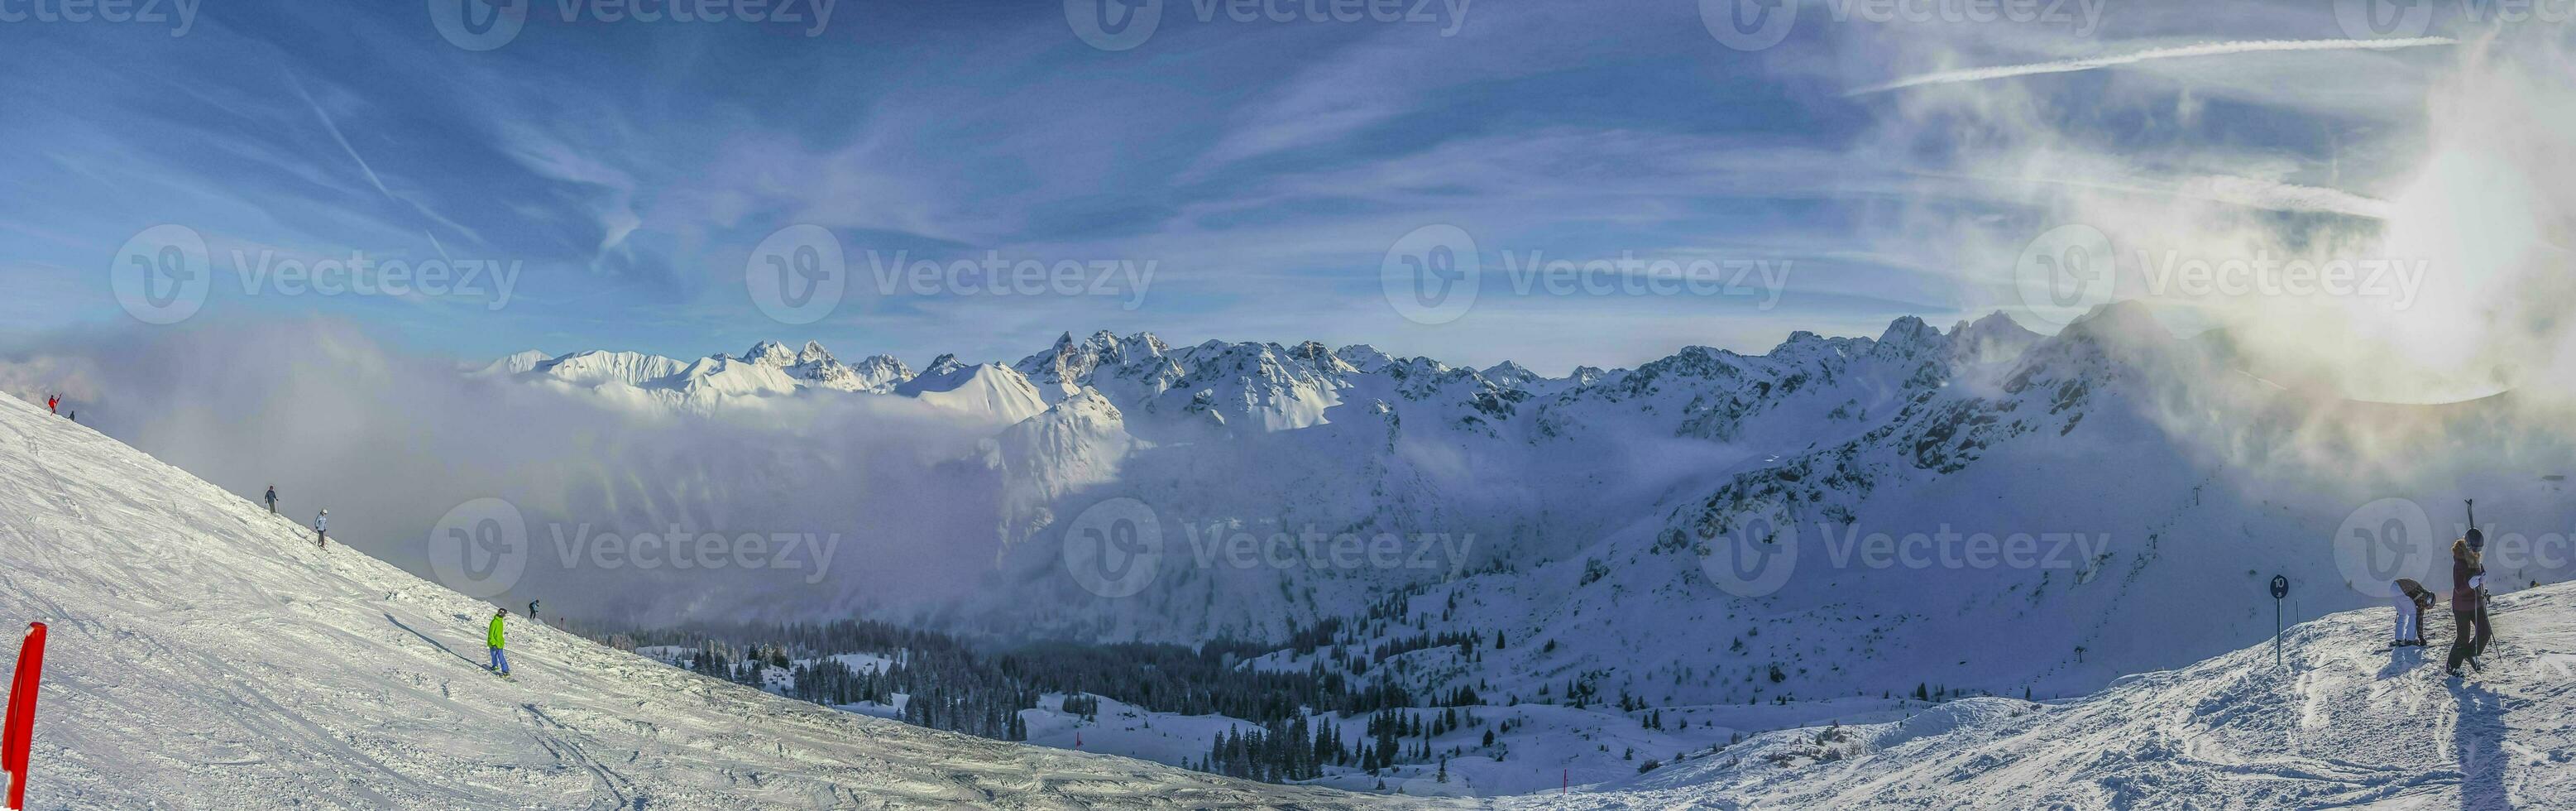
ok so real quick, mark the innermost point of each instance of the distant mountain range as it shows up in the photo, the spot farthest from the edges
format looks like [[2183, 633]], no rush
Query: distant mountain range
[[1620, 527]]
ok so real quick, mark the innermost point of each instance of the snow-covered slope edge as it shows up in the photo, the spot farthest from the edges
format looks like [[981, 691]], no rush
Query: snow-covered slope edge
[[205, 655], [2342, 723]]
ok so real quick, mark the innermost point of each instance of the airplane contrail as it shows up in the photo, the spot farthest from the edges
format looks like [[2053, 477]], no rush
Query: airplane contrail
[[2175, 52]]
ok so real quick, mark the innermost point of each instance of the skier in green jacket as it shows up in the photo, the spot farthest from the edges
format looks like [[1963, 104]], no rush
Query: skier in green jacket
[[500, 664]]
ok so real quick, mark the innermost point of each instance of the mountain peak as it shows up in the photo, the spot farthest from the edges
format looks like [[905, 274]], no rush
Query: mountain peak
[[1362, 357], [945, 364], [771, 353], [1910, 330], [1510, 374], [814, 353]]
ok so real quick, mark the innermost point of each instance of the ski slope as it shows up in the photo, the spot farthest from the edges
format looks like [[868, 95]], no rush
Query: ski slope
[[204, 654], [2342, 724]]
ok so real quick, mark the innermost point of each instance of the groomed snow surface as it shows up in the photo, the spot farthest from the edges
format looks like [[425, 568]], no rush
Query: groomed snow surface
[[205, 655], [2341, 723]]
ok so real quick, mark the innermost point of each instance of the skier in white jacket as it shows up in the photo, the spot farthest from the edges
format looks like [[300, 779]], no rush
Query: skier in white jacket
[[2412, 599], [322, 530]]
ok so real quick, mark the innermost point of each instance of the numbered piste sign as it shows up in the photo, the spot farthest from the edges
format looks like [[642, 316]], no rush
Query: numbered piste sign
[[2280, 587]]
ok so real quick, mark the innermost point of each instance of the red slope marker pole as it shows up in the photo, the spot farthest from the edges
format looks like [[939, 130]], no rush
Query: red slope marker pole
[[20, 727]]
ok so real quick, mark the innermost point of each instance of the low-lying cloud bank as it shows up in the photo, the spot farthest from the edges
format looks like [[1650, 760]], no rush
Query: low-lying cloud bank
[[850, 501]]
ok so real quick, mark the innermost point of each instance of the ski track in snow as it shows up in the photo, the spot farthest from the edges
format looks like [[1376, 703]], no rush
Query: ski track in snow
[[2343, 725], [204, 654]]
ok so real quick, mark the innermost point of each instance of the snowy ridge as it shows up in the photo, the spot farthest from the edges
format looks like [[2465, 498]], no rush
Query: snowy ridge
[[205, 655], [2344, 724]]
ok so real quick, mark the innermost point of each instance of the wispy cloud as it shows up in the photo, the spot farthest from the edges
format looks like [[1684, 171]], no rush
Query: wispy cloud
[[2133, 57]]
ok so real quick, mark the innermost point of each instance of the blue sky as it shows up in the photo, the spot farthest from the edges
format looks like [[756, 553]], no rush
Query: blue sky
[[1264, 169]]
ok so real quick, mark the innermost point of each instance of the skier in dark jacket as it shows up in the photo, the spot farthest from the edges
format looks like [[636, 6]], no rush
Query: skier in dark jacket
[[272, 499], [2478, 546], [2468, 615]]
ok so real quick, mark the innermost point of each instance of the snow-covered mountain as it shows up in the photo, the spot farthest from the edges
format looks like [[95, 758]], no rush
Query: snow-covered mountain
[[1596, 515], [768, 369], [204, 654], [990, 390]]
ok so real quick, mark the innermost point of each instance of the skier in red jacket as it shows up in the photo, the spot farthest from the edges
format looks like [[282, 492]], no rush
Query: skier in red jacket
[[52, 400]]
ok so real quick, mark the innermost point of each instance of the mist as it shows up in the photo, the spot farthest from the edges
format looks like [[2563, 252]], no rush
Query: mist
[[889, 510]]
